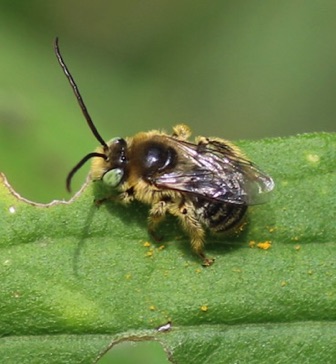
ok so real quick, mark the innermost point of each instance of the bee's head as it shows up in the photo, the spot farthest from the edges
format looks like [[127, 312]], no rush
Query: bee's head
[[111, 168], [109, 160]]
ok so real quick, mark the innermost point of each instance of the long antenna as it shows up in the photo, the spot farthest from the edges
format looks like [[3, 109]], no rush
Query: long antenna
[[78, 95], [79, 165]]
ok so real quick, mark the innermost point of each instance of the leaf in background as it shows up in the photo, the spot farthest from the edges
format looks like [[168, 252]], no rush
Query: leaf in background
[[76, 278]]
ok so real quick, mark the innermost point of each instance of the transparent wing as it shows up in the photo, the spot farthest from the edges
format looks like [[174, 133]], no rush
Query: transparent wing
[[215, 171]]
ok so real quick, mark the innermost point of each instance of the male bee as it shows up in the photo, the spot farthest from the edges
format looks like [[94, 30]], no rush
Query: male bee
[[206, 184]]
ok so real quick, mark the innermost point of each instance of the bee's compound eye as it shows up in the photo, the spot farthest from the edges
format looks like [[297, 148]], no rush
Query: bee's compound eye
[[113, 177]]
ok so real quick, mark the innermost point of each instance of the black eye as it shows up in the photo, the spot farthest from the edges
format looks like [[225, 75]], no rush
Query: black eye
[[122, 145], [158, 157], [117, 152]]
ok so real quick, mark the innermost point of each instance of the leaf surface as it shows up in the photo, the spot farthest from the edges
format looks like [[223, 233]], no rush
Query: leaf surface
[[76, 279]]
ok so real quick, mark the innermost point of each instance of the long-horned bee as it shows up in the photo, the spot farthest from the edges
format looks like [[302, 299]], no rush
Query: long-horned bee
[[206, 184]]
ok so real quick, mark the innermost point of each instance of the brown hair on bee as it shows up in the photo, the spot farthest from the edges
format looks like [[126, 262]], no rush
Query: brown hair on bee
[[206, 184]]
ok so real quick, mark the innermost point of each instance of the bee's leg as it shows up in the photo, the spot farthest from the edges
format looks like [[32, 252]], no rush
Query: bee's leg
[[124, 197], [202, 143], [181, 132], [99, 201], [156, 215], [196, 232]]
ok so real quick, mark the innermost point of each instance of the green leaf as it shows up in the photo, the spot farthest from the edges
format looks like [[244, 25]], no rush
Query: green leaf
[[77, 279]]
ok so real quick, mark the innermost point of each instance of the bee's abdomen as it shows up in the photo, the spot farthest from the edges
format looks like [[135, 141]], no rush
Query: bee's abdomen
[[218, 216]]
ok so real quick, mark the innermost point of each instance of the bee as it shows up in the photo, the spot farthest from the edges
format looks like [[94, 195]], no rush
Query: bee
[[207, 184]]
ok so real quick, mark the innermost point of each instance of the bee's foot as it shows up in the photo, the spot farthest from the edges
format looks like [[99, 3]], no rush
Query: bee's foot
[[155, 236], [207, 262], [100, 201]]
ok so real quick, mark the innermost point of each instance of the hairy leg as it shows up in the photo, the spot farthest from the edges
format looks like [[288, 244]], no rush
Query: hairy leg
[[156, 215], [181, 131], [194, 229]]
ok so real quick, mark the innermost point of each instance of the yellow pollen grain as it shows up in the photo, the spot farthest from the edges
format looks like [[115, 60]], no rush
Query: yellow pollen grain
[[161, 247], [149, 253], [264, 245], [152, 307], [297, 247], [252, 244], [147, 244], [204, 308]]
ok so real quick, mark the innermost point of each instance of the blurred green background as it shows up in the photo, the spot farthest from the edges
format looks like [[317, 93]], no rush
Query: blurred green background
[[232, 69]]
